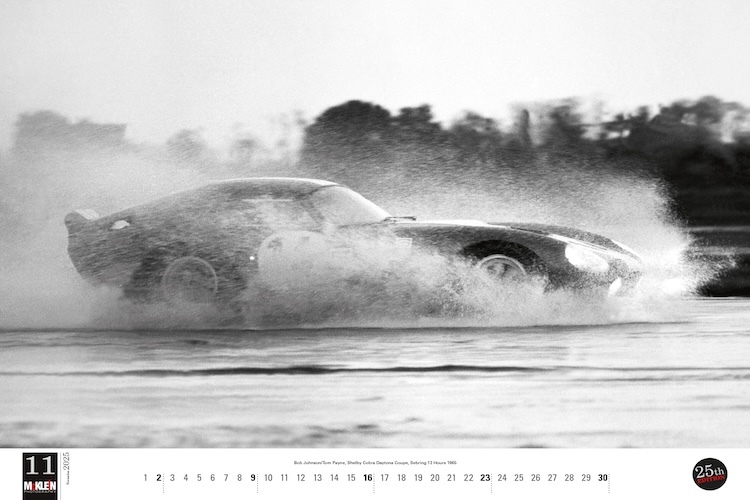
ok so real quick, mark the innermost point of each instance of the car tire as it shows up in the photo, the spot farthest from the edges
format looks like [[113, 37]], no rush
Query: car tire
[[507, 262], [157, 278], [189, 279], [502, 267]]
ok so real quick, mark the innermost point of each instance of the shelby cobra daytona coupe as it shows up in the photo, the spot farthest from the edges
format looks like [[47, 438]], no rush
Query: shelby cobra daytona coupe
[[214, 242]]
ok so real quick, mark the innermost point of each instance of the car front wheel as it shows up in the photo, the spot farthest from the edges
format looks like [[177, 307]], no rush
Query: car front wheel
[[507, 263], [502, 267]]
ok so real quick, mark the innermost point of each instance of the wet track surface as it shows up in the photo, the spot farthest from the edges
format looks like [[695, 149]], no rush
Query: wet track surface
[[681, 382]]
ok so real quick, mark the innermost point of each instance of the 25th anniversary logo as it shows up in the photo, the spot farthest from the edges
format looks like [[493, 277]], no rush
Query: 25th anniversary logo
[[710, 474]]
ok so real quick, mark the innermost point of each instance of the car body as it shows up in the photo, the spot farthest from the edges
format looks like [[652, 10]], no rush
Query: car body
[[218, 240]]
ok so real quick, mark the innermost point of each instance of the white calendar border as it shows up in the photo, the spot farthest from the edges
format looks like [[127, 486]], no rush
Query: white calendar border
[[102, 474]]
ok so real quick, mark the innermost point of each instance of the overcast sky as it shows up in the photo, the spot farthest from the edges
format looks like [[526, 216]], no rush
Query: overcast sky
[[161, 66]]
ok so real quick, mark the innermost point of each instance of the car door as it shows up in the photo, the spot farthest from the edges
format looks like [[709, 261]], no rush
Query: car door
[[286, 241]]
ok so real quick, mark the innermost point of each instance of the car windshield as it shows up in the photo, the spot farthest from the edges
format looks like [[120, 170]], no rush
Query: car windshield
[[342, 206]]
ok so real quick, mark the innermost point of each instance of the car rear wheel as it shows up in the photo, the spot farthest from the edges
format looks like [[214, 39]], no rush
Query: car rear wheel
[[190, 279], [177, 273]]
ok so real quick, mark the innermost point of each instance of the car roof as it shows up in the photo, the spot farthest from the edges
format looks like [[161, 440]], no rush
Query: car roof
[[278, 187], [251, 187]]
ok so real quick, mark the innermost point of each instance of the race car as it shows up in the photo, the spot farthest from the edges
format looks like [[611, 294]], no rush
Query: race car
[[213, 243]]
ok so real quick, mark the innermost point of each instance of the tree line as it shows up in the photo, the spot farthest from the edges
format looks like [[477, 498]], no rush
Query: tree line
[[692, 145], [365, 135]]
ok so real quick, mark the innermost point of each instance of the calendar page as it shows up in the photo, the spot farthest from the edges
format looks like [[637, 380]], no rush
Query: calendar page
[[374, 248]]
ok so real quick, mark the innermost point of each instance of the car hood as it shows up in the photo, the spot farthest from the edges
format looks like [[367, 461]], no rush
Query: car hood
[[573, 233], [546, 230]]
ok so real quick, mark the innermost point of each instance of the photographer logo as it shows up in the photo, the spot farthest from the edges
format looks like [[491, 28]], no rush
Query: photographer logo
[[40, 476]]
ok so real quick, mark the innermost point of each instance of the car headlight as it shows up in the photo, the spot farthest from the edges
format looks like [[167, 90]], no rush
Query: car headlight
[[584, 259]]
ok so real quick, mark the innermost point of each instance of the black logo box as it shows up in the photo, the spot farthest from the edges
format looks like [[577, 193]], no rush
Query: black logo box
[[40, 478]]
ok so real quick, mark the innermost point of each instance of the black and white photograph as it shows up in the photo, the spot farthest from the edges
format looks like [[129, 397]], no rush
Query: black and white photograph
[[374, 224]]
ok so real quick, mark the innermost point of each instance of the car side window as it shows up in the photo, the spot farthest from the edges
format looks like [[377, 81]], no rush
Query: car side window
[[274, 213]]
